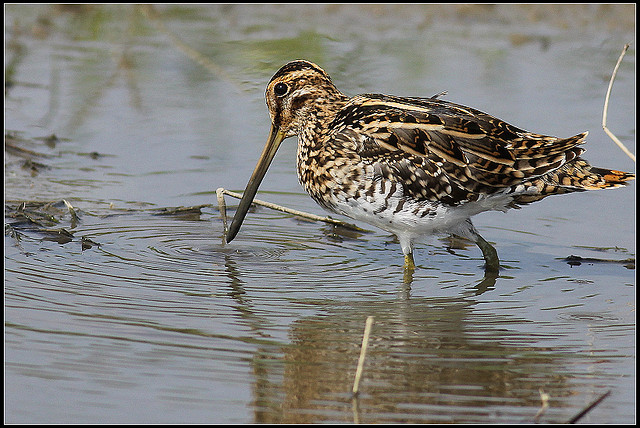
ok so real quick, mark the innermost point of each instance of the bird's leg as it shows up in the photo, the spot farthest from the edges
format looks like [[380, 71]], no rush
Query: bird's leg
[[489, 253], [409, 264], [491, 264], [409, 268], [491, 260]]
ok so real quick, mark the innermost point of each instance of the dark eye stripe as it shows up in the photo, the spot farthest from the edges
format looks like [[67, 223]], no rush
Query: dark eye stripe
[[298, 101]]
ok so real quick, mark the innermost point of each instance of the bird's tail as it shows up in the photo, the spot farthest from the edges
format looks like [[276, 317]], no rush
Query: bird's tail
[[575, 176], [580, 175]]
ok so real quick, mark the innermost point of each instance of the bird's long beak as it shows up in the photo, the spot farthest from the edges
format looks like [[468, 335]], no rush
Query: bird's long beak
[[275, 138]]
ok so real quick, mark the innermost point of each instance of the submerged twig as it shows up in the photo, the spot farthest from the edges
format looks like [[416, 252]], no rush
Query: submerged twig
[[288, 211], [587, 409], [363, 353], [72, 211], [606, 107], [222, 207], [572, 260], [544, 397]]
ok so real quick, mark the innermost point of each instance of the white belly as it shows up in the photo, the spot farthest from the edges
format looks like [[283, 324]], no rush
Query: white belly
[[411, 220]]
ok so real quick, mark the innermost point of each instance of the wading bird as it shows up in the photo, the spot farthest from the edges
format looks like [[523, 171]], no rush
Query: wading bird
[[413, 166]]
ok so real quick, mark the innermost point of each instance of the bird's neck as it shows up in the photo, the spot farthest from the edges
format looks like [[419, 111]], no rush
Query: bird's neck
[[318, 117]]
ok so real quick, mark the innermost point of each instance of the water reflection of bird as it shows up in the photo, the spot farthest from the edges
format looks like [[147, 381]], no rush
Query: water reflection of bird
[[413, 166]]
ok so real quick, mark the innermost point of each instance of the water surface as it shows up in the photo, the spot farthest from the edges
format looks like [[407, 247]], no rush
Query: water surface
[[123, 310]]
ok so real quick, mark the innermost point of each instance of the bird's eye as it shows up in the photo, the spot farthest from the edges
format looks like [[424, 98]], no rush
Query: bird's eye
[[280, 89]]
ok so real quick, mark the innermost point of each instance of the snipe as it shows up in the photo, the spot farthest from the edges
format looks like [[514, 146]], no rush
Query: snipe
[[413, 166]]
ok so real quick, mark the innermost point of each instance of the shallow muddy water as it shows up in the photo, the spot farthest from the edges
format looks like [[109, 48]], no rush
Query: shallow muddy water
[[123, 309]]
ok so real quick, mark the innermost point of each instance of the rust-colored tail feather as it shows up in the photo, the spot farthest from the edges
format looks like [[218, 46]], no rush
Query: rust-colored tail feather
[[612, 177], [575, 176], [580, 175]]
